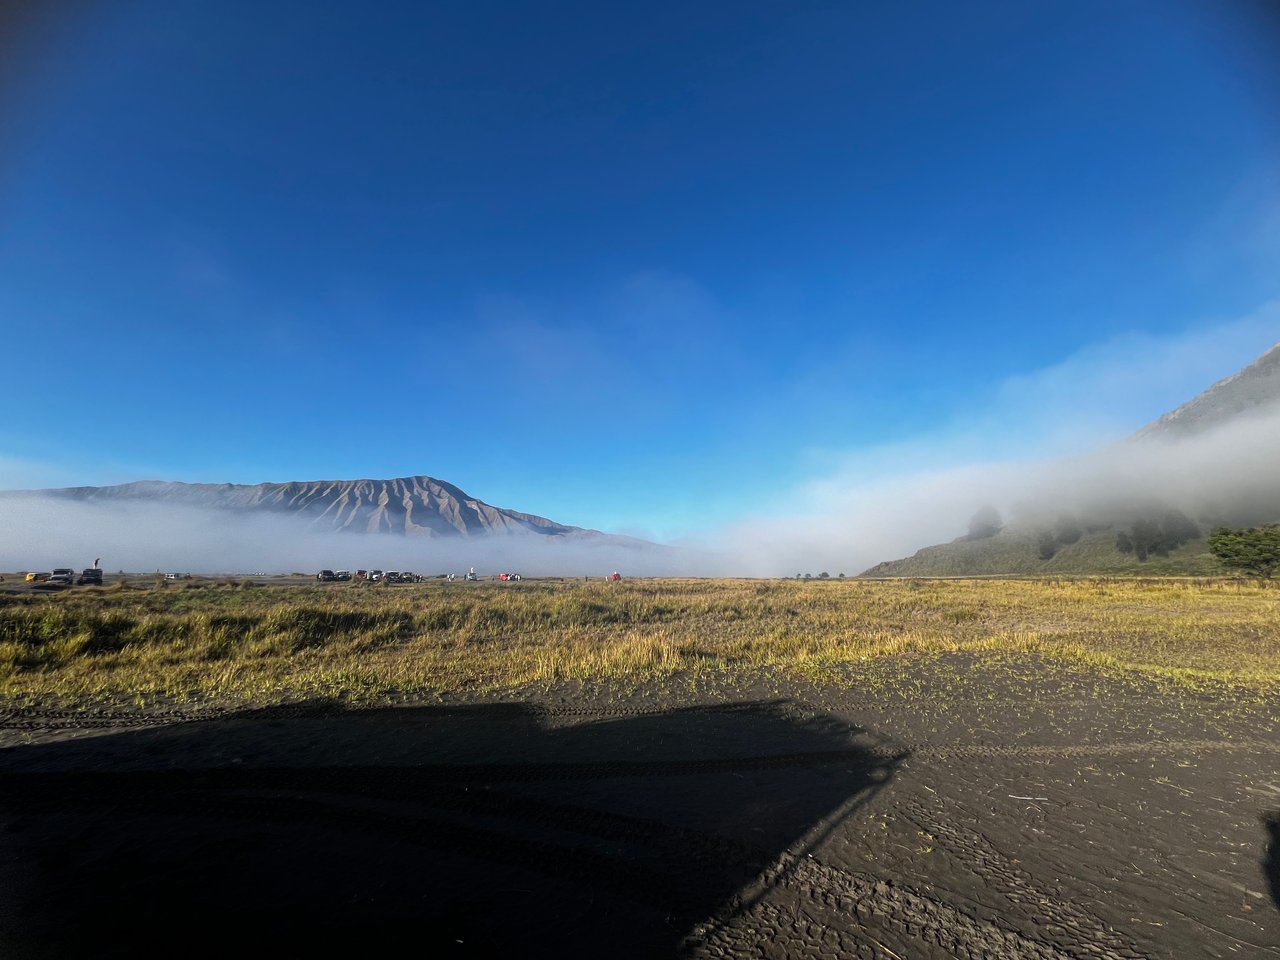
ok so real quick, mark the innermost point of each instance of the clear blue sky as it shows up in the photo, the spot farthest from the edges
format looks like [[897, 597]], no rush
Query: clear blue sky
[[611, 263]]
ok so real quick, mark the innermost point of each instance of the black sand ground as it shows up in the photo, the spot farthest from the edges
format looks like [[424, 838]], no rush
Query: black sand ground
[[1031, 812]]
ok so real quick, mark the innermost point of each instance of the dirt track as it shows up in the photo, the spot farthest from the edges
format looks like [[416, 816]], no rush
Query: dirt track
[[1080, 820]]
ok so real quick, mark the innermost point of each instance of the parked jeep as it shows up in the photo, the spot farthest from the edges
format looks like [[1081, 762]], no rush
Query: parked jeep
[[326, 576], [91, 577]]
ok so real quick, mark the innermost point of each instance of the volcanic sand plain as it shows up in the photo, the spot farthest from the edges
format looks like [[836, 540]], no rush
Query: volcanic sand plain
[[846, 769]]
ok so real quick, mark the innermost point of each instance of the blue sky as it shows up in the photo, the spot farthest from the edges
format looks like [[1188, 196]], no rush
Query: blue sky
[[642, 267]]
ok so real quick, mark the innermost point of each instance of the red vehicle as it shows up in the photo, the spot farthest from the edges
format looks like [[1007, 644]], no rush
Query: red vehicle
[[508, 576], [614, 576]]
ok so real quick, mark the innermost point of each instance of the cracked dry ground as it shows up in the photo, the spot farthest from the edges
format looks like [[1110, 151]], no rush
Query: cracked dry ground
[[926, 807]]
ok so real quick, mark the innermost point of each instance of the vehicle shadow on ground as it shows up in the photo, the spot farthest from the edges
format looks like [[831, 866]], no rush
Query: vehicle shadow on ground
[[476, 831], [1271, 862]]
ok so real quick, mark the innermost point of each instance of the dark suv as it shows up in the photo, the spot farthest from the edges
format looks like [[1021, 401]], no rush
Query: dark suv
[[90, 578], [326, 576]]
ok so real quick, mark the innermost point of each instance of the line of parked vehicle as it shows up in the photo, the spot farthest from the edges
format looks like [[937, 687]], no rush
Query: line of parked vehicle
[[369, 576], [396, 576], [65, 576]]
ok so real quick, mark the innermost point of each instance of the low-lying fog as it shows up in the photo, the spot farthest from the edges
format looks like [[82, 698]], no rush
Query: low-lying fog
[[41, 532], [880, 504], [847, 524], [1228, 476]]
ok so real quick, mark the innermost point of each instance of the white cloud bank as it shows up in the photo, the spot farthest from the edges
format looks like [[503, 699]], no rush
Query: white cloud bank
[[876, 505], [1229, 475], [40, 532], [1048, 439]]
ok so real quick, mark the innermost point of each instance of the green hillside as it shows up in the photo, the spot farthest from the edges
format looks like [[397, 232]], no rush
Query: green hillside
[[1170, 542], [1016, 552]]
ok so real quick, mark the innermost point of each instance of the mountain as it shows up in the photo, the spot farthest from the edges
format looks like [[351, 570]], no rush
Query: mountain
[[413, 506], [1139, 529], [1252, 391]]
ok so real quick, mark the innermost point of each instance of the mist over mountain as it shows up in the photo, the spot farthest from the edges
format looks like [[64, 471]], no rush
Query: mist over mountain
[[1144, 505], [415, 523], [419, 506]]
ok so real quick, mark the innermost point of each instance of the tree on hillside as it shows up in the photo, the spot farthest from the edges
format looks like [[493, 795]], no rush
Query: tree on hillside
[[1256, 550], [985, 523], [1178, 528], [1147, 535], [1146, 538]]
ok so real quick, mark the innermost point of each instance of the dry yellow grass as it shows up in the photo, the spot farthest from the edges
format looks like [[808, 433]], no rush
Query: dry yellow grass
[[269, 643]]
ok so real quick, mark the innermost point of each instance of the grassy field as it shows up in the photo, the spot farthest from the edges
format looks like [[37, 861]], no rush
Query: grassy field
[[202, 640]]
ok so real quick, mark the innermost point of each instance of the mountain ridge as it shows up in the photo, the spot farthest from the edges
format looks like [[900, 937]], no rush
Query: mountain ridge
[[1253, 389], [416, 506]]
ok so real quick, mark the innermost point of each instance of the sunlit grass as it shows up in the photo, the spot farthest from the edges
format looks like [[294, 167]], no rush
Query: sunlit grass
[[238, 642]]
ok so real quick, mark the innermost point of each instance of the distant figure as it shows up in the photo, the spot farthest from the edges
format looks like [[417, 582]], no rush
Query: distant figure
[[96, 562]]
